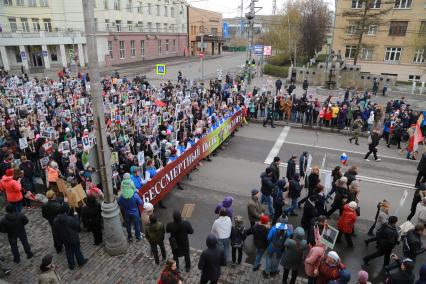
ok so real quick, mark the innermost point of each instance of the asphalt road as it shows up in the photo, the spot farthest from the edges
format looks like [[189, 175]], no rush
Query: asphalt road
[[236, 170]]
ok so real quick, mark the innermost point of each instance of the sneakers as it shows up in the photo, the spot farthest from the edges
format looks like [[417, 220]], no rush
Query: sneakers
[[6, 271], [378, 160], [367, 160]]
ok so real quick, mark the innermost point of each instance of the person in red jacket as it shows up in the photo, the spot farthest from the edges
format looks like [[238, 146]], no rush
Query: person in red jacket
[[346, 223], [329, 268], [13, 190]]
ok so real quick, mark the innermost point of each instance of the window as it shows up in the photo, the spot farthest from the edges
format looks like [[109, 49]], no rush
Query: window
[[183, 28], [32, 3], [200, 29], [167, 46], [413, 78], [398, 28], [122, 54], [174, 46], [12, 24], [350, 51], [116, 4], [53, 53], [110, 50], [118, 25], [422, 29], [165, 28], [158, 10], [172, 12], [107, 25], [172, 28], [106, 7], [140, 26], [132, 48], [36, 24], [375, 4], [47, 25], [142, 48], [17, 54], [213, 31], [352, 29], [139, 7], [356, 4], [402, 4], [165, 11], [419, 56], [149, 9], [159, 46], [7, 2], [44, 3], [392, 54], [25, 25], [372, 30], [20, 2], [130, 26], [149, 27], [157, 25], [367, 54]]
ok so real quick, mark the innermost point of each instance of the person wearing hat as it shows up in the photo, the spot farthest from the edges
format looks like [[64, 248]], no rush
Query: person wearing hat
[[275, 166], [155, 233], [382, 217], [294, 190], [211, 260], [277, 237], [129, 201], [295, 250], [91, 216], [13, 224], [329, 268], [405, 273], [346, 223], [254, 208], [420, 215], [67, 229], [363, 277], [135, 176], [148, 210], [341, 197], [291, 167], [278, 199], [238, 236], [48, 274], [260, 239], [412, 244], [49, 211], [387, 239], [13, 190]]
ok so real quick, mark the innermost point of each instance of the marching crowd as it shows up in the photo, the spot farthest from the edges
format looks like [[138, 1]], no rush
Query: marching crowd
[[47, 134]]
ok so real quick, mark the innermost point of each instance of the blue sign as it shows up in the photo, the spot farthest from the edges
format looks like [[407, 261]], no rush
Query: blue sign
[[251, 47], [161, 69], [23, 55], [225, 30], [258, 49], [44, 53]]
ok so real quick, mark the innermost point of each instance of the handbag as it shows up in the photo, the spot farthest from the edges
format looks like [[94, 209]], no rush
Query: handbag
[[358, 211]]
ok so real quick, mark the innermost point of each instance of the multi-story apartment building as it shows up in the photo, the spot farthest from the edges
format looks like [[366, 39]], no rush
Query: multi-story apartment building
[[396, 46], [210, 25], [42, 34]]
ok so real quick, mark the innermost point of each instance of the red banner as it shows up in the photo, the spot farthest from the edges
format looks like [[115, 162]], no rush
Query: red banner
[[154, 190]]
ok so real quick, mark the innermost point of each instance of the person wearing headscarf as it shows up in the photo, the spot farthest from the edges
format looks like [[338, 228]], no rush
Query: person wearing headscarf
[[295, 249], [48, 273]]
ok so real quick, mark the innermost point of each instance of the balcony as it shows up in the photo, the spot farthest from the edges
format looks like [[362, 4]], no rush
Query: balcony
[[210, 38], [41, 34]]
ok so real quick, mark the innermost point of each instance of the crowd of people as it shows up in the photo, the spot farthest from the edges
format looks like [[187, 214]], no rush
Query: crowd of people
[[47, 134]]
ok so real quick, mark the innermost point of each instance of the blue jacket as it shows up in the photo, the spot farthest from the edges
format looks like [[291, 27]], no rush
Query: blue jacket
[[137, 181], [272, 232], [131, 205]]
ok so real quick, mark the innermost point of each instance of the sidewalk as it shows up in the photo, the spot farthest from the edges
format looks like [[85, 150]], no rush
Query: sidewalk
[[133, 267]]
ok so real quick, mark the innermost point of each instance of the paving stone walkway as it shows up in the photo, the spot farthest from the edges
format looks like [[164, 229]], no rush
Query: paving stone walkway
[[133, 267]]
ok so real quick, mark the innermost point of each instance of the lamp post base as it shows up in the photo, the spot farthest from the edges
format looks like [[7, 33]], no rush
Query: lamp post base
[[115, 241]]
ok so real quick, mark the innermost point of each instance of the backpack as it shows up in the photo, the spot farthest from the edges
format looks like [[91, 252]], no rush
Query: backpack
[[279, 239], [277, 196]]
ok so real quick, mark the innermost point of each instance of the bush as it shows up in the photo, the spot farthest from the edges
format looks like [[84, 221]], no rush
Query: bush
[[279, 60], [276, 71], [321, 58]]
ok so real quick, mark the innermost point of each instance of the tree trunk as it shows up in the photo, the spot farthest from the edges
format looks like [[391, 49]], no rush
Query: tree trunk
[[361, 32]]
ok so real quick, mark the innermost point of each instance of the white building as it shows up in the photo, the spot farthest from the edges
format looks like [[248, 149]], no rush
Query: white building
[[46, 34]]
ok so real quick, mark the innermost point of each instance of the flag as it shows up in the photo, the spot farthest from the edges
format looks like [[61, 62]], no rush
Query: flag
[[417, 136]]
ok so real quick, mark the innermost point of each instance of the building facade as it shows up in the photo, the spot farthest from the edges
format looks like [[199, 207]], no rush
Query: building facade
[[393, 47], [209, 24], [45, 34]]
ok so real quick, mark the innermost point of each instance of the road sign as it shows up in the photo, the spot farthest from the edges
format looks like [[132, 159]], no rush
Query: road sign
[[201, 55], [258, 49], [267, 50], [23, 55], [44, 53], [204, 45], [161, 69]]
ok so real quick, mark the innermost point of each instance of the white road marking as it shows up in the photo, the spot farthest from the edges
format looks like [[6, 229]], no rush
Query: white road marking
[[346, 151], [277, 146], [323, 161]]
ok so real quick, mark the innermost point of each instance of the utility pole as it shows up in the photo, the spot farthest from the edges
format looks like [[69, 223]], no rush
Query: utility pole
[[274, 7], [250, 17], [289, 37], [202, 50], [115, 241], [241, 7]]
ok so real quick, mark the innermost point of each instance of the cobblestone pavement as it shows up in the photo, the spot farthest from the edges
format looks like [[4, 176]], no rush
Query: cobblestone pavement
[[133, 267]]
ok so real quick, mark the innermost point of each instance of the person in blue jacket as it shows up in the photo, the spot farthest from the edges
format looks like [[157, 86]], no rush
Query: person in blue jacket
[[129, 201], [135, 176]]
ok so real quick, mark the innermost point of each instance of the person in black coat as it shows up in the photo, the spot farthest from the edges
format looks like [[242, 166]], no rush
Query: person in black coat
[[49, 211], [291, 167], [278, 199], [421, 176], [313, 181], [211, 260], [303, 164], [13, 224], [266, 189], [67, 228], [275, 166], [405, 273], [179, 230], [91, 215], [412, 243], [260, 239], [294, 190], [309, 212], [387, 239], [372, 146]]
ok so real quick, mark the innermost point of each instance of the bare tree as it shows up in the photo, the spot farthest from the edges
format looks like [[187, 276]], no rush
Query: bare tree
[[366, 13]]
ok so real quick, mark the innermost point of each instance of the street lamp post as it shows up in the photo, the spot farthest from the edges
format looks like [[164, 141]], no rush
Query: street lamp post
[[115, 241]]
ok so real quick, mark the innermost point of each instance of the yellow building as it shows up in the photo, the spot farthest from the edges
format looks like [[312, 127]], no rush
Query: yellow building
[[207, 24], [394, 47]]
